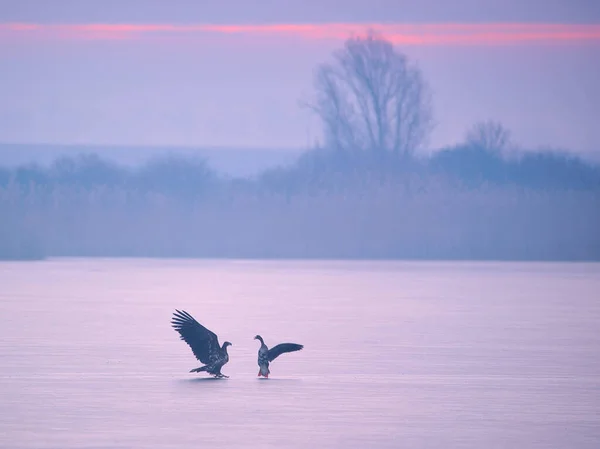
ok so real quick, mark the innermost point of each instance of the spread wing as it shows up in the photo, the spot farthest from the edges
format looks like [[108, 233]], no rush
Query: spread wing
[[281, 348], [204, 343]]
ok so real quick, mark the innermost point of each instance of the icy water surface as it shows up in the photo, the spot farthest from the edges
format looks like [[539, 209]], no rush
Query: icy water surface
[[397, 355]]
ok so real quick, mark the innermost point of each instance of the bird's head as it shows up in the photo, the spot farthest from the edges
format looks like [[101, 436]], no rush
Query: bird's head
[[259, 338], [227, 344]]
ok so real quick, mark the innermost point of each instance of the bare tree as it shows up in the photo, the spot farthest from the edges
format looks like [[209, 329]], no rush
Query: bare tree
[[371, 99], [489, 135]]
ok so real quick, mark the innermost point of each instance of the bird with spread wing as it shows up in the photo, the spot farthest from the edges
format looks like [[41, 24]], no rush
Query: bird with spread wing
[[203, 342], [266, 355]]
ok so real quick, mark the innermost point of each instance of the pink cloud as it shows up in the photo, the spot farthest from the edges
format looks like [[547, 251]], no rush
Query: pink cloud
[[404, 34]]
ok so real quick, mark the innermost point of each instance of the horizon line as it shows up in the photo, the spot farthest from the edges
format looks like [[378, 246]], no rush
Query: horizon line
[[443, 33]]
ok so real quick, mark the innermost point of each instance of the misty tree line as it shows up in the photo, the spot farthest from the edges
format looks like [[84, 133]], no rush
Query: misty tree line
[[468, 165], [541, 207], [365, 192]]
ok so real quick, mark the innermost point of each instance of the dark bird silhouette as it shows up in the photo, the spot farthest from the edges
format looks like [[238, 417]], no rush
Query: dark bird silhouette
[[204, 343], [266, 355]]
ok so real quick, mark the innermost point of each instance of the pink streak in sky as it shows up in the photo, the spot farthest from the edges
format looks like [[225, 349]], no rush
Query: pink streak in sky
[[404, 34]]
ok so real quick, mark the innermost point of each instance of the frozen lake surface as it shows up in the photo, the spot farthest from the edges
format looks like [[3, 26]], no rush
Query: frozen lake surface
[[397, 355]]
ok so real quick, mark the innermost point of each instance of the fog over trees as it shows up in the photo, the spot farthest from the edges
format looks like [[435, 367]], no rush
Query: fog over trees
[[372, 99], [366, 192]]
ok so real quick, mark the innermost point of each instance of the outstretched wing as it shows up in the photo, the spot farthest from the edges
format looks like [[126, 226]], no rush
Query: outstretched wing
[[281, 348], [204, 343]]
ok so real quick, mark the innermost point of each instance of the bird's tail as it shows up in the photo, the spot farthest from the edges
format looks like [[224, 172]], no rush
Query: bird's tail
[[197, 370], [264, 371]]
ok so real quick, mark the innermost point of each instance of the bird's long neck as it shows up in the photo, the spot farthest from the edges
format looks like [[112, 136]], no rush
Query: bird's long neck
[[224, 348]]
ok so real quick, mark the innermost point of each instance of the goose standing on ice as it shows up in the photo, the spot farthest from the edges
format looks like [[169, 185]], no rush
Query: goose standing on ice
[[266, 355]]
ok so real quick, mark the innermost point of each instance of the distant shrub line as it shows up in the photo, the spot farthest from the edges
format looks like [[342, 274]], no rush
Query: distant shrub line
[[460, 203], [462, 166]]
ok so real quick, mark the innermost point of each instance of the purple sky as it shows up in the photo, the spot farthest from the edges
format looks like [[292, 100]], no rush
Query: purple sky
[[243, 89]]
